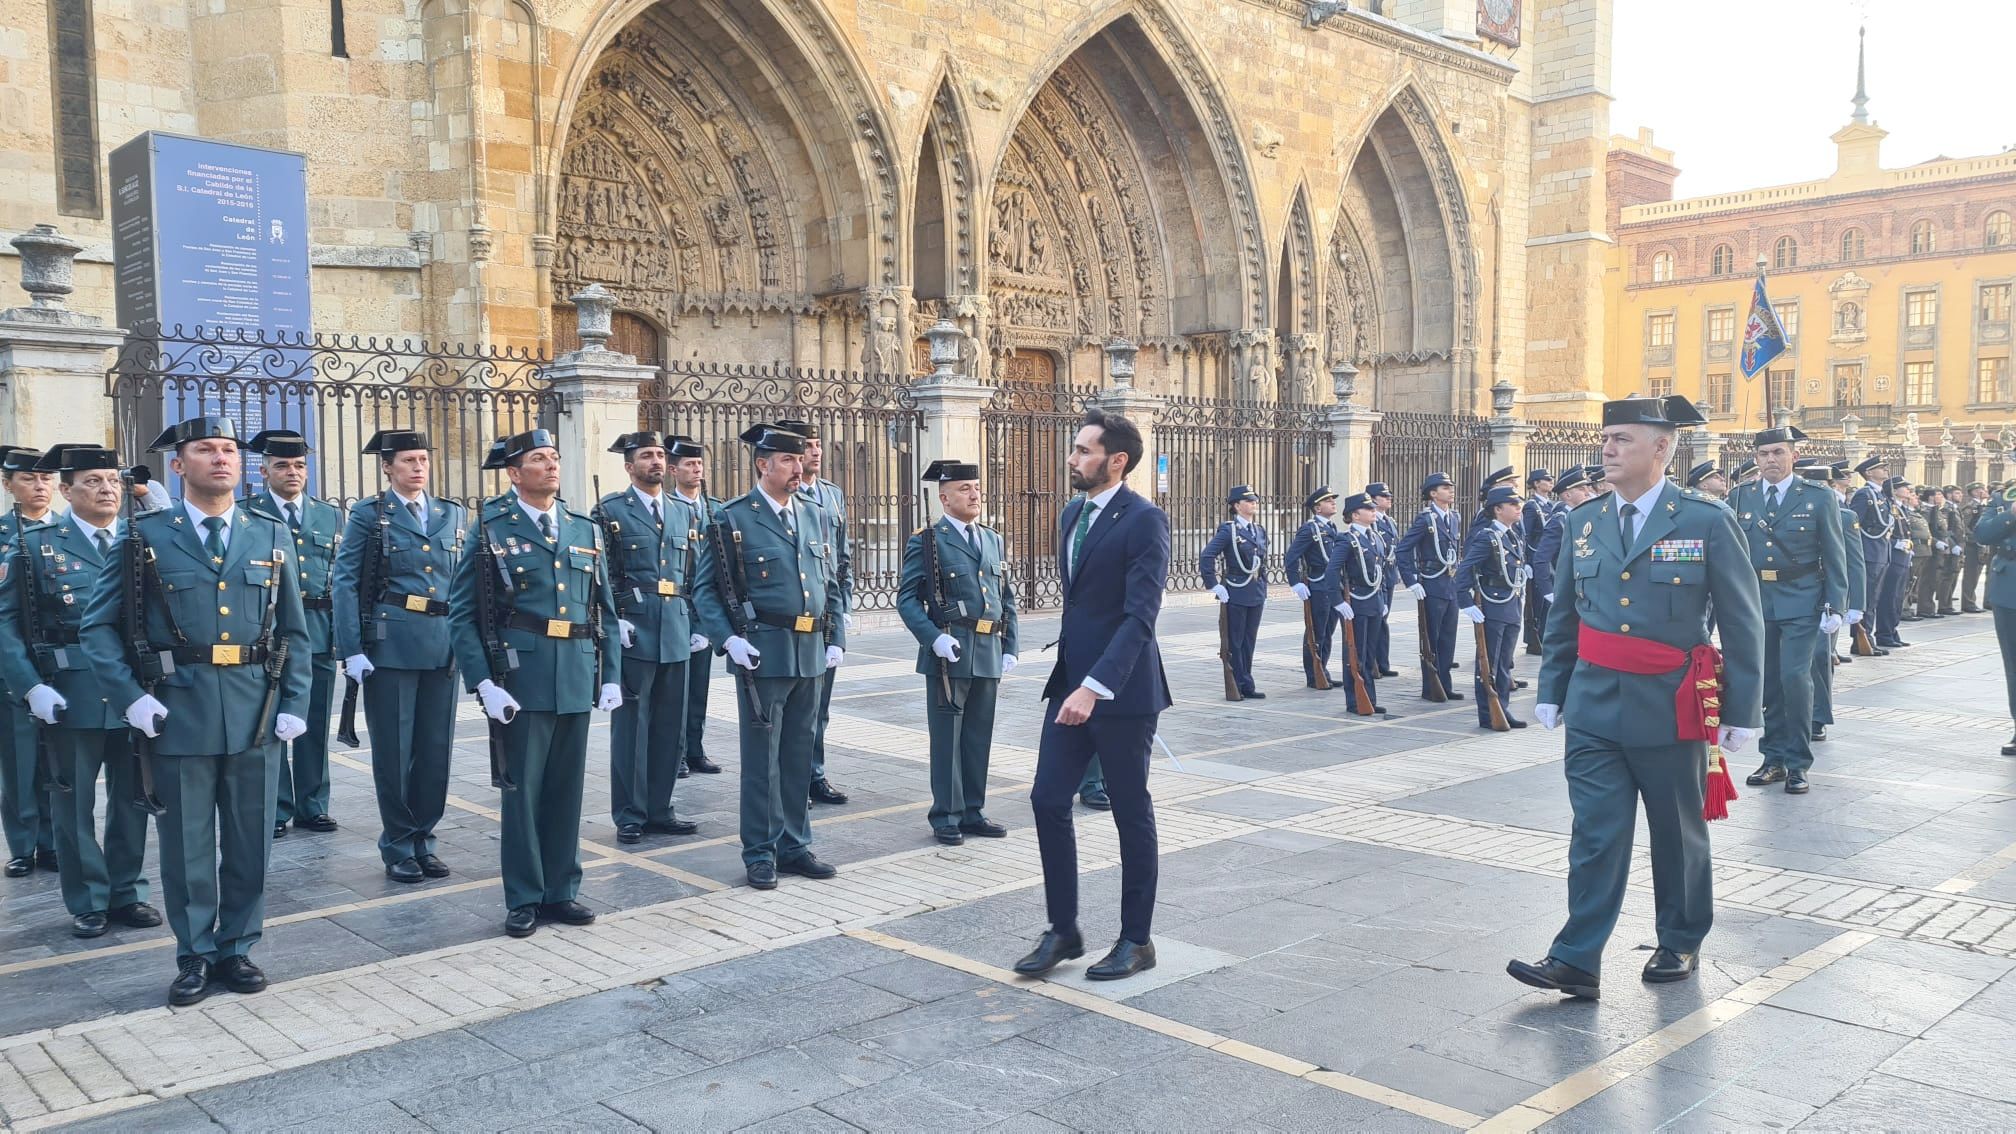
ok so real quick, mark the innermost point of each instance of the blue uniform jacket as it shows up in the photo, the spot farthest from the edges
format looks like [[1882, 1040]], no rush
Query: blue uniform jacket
[[1110, 605], [1388, 532], [1244, 549], [1358, 560], [1491, 573], [1309, 555], [1428, 553], [420, 562]]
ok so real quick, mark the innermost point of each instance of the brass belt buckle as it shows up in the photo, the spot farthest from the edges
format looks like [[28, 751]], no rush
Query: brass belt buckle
[[804, 624], [983, 626], [667, 587], [559, 628], [227, 655], [1769, 575], [416, 604]]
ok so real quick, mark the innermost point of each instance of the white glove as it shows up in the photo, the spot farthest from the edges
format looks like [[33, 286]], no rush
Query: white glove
[[847, 622], [628, 630], [287, 726], [1736, 739], [1903, 545], [1549, 716], [1301, 591], [697, 643], [1008, 664], [1954, 550], [358, 667], [1549, 598], [946, 647], [1940, 544], [1221, 594], [498, 705], [1418, 591], [742, 653], [1344, 610], [1474, 614], [45, 702], [1830, 622], [611, 699], [146, 715], [1854, 616], [833, 656]]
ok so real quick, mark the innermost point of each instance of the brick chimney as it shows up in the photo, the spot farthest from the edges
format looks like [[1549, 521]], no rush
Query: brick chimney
[[1638, 173]]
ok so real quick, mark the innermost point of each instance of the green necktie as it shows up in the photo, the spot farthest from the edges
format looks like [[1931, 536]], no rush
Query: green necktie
[[1078, 533], [214, 542], [104, 543]]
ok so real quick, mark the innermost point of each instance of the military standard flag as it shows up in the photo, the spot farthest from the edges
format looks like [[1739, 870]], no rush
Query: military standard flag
[[1763, 334]]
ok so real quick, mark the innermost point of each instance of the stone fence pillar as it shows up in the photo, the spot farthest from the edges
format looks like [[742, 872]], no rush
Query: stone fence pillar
[[52, 359], [1508, 433], [1914, 463], [951, 403], [597, 388], [1137, 406], [1350, 467]]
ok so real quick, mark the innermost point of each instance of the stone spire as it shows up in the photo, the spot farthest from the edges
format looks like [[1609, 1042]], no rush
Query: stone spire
[[1861, 86]]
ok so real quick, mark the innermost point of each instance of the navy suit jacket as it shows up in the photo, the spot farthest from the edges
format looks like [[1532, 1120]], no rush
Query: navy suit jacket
[[1110, 605]]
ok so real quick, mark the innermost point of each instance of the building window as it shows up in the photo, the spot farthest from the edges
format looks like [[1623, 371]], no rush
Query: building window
[[1995, 231], [1783, 391], [1719, 393], [1921, 309], [1722, 261], [1788, 317], [1852, 244], [1994, 303], [1659, 330], [1991, 380], [1785, 253], [1721, 325], [338, 46], [1923, 239], [72, 82], [1848, 384], [1920, 387], [1662, 267], [1662, 387]]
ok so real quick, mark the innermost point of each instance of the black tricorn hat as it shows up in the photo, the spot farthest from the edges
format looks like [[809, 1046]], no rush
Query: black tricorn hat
[[1778, 434], [1672, 411], [279, 443], [89, 458], [195, 429], [629, 443], [508, 449], [948, 470], [48, 460], [767, 438], [390, 442], [678, 447], [806, 429]]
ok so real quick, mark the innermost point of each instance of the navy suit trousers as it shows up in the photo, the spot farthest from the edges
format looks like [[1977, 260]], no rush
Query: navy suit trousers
[[1122, 745]]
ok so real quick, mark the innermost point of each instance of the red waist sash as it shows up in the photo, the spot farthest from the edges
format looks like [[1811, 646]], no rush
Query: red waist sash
[[1697, 708]]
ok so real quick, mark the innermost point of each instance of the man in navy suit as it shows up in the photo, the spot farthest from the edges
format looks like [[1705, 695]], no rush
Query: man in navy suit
[[1105, 693]]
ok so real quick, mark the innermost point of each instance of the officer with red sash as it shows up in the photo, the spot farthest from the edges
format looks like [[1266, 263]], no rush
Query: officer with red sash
[[1628, 667]]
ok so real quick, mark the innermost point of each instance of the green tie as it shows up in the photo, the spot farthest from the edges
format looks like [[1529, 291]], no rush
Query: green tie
[[104, 543], [1078, 533], [214, 542]]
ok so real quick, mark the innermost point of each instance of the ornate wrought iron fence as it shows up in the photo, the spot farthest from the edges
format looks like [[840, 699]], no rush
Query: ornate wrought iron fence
[[1211, 444], [1558, 445], [1406, 447], [868, 431], [1026, 430], [337, 391], [1935, 468]]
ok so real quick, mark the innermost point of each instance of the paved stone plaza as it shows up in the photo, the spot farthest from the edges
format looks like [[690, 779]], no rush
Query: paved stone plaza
[[1338, 900]]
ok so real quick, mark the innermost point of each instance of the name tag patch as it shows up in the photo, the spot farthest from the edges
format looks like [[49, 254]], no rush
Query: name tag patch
[[1679, 551]]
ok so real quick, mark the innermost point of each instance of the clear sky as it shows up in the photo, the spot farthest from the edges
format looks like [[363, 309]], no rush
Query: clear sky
[[1746, 92]]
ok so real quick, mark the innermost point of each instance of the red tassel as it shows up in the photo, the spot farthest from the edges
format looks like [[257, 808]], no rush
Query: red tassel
[[1720, 790]]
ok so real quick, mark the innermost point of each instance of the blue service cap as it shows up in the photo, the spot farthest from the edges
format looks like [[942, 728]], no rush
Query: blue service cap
[[1435, 480]]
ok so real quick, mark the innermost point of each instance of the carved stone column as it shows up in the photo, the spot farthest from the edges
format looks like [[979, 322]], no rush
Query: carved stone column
[[951, 401], [52, 359], [1137, 406], [597, 388], [1350, 465]]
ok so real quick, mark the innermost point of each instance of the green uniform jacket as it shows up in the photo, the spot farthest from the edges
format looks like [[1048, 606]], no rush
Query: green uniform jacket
[[556, 582], [976, 589], [417, 563], [212, 709], [1858, 566], [1803, 540], [1921, 535], [786, 578], [314, 559], [66, 566], [10, 542], [651, 571], [839, 552], [1689, 552], [1997, 533]]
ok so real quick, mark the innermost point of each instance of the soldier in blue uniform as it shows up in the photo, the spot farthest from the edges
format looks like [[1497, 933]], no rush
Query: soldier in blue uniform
[[1358, 563], [1742, 474], [1492, 480], [1491, 584], [1897, 576], [396, 645], [768, 595], [555, 617], [318, 531], [1427, 557], [1540, 504], [221, 624], [1242, 586], [689, 487], [1996, 532], [59, 565], [1572, 490], [1793, 527], [1389, 542], [839, 562], [1310, 577], [1835, 476], [1626, 653], [653, 548], [957, 601], [1708, 479], [25, 809], [1875, 523]]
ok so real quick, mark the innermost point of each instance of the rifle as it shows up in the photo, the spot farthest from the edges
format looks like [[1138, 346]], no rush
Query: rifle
[[1431, 676], [47, 656], [370, 582], [1487, 676], [276, 657], [734, 583], [1862, 645], [598, 633], [500, 659], [136, 562], [940, 613], [1361, 698], [1225, 652], [1318, 666]]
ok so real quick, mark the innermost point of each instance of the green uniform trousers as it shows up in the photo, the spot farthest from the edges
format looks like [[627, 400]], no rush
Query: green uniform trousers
[[98, 877], [960, 746], [647, 741], [1606, 781], [215, 837], [825, 681], [24, 812], [546, 756], [699, 673], [304, 774], [777, 768], [1789, 647], [1823, 675], [2005, 635], [411, 715]]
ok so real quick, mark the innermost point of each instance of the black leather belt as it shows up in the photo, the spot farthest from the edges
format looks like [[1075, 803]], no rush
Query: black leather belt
[[799, 623], [416, 604], [980, 625], [1786, 573], [321, 602], [223, 653], [549, 627]]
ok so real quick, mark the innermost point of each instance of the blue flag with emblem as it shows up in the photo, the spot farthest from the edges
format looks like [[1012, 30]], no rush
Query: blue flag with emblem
[[1763, 334]]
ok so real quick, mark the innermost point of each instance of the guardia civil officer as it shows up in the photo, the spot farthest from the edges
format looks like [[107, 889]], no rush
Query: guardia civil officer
[[1242, 584], [1540, 504], [1793, 528], [1996, 531], [689, 487], [221, 628], [25, 808], [553, 615], [1309, 576], [1491, 584], [957, 601], [1835, 476], [653, 548], [317, 526], [1389, 543], [1626, 655], [1359, 565], [769, 596], [839, 564], [1427, 557], [394, 571], [58, 565]]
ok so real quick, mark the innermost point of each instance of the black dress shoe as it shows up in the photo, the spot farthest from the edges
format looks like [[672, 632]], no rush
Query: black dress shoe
[[2009, 749], [240, 975], [807, 865], [1455, 696], [432, 866], [823, 792], [46, 860], [280, 830], [684, 771], [1765, 774], [521, 922], [1795, 784], [950, 836], [1389, 673], [630, 833], [1256, 695], [405, 870], [1970, 610], [702, 765], [1517, 683], [139, 915], [192, 982], [1096, 800], [763, 875], [88, 925], [1558, 977], [1665, 966], [1909, 618], [569, 912], [1516, 723], [985, 828], [1054, 949], [1819, 732], [20, 867], [671, 827], [1124, 960], [320, 824]]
